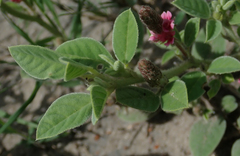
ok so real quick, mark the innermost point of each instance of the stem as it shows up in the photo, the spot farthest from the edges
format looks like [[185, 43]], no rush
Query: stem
[[120, 82], [35, 18], [181, 48], [22, 108], [175, 71], [231, 33]]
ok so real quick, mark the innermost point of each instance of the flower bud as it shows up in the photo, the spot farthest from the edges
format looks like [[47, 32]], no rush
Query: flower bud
[[150, 72], [151, 19]]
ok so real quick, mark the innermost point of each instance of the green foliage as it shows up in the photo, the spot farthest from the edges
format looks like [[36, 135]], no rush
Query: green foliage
[[68, 111], [224, 64], [138, 98], [168, 56], [83, 48], [125, 36], [179, 17], [194, 82], [227, 78], [236, 148], [235, 18], [214, 28], [197, 8], [229, 103], [99, 97], [208, 51], [191, 31], [205, 136], [174, 96], [214, 88], [38, 62]]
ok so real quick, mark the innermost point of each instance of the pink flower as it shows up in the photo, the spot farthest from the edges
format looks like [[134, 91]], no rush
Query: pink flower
[[167, 24], [238, 80], [164, 37], [167, 34], [16, 1], [161, 27]]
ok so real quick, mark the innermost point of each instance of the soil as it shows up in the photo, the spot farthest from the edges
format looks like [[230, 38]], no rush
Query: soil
[[164, 135]]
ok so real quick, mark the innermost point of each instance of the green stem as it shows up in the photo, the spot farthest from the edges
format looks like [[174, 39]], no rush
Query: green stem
[[35, 18], [22, 108], [175, 71], [231, 33]]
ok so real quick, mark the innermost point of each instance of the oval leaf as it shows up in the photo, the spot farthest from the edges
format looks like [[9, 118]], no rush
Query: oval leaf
[[236, 148], [194, 82], [125, 36], [191, 31], [138, 98], [229, 103], [68, 111], [83, 48], [174, 96], [99, 97], [214, 88], [38, 62], [197, 8], [214, 28], [205, 136], [168, 56], [224, 64]]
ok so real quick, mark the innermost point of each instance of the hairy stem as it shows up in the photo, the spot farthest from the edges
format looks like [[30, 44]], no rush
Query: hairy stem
[[175, 71]]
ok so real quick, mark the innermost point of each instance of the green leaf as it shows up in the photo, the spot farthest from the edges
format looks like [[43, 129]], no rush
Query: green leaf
[[229, 103], [168, 56], [236, 148], [138, 98], [67, 112], [179, 18], [132, 115], [228, 5], [206, 135], [198, 8], [191, 31], [76, 23], [208, 51], [235, 18], [194, 82], [140, 29], [72, 71], [174, 96], [214, 88], [16, 6], [214, 28], [227, 78], [99, 97], [107, 59], [78, 67], [38, 62], [224, 64], [125, 36], [83, 48]]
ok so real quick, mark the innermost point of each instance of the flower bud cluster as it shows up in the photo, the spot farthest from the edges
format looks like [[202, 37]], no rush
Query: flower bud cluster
[[161, 27], [151, 73]]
